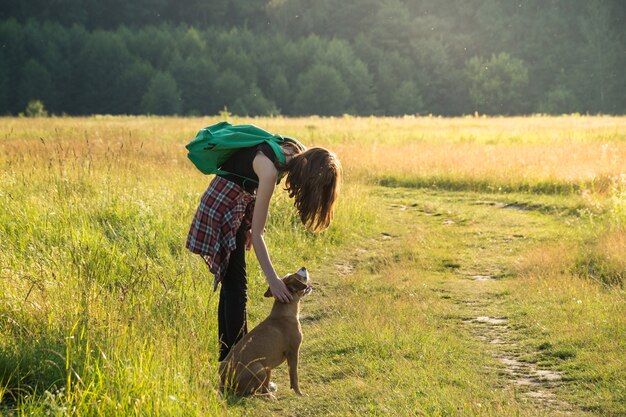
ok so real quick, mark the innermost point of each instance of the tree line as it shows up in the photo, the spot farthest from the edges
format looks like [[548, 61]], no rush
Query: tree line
[[302, 57]]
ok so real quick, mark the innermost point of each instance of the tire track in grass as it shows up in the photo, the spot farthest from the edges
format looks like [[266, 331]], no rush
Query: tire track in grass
[[480, 289], [478, 286], [530, 382]]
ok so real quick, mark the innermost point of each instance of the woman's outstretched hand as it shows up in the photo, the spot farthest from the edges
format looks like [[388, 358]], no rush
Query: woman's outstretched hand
[[280, 291]]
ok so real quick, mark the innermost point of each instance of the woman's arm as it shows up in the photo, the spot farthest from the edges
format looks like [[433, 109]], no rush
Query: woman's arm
[[267, 173]]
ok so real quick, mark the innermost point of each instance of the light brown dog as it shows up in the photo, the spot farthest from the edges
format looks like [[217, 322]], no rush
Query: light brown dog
[[247, 368]]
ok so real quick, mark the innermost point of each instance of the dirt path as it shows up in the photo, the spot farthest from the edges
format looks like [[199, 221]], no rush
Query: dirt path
[[488, 238], [479, 287], [487, 321]]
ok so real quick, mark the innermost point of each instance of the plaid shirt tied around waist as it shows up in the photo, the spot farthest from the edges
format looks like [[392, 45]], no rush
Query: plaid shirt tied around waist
[[223, 208]]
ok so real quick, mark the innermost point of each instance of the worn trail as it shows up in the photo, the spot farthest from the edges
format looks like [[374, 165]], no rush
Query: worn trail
[[478, 285]]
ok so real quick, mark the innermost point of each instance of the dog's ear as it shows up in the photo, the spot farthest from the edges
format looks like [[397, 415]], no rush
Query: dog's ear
[[294, 284]]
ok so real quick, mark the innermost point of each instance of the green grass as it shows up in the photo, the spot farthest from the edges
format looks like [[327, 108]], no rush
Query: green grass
[[103, 311]]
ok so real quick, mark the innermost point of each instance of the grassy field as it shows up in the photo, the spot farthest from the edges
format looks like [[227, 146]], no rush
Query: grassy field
[[476, 266]]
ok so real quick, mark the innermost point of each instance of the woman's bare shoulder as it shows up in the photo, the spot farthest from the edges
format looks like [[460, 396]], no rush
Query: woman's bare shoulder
[[264, 167]]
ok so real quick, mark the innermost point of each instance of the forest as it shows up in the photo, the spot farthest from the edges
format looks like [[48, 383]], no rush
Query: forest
[[313, 57]]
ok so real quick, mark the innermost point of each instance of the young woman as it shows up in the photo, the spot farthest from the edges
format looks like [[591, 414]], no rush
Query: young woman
[[233, 212]]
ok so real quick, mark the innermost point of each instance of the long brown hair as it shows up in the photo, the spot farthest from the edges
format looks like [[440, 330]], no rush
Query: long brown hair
[[313, 180]]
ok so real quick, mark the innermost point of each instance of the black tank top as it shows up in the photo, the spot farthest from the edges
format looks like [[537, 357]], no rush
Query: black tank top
[[240, 163]]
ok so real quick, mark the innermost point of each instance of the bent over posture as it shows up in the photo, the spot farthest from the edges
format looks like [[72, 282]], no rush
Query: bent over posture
[[233, 212]]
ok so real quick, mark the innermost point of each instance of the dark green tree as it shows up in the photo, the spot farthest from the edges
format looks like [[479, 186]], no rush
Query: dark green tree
[[497, 85], [321, 90], [154, 44], [600, 78], [442, 81], [253, 102], [392, 28], [13, 54], [392, 69], [559, 100], [406, 100], [303, 57], [196, 77], [67, 72], [134, 84], [192, 43], [273, 56], [240, 63], [162, 96], [228, 87], [102, 62], [279, 92], [35, 83], [4, 85], [339, 54]]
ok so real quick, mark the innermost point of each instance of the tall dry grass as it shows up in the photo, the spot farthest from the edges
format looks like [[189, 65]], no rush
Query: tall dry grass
[[568, 153], [572, 151]]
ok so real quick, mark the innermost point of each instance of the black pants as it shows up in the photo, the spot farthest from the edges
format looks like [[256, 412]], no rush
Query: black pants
[[231, 311]]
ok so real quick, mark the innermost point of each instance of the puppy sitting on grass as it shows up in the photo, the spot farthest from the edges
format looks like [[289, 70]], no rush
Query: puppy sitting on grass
[[247, 368]]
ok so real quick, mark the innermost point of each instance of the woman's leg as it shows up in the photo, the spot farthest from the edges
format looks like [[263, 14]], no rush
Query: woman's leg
[[231, 311]]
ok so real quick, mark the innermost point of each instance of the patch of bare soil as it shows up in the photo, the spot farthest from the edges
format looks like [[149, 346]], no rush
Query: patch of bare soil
[[344, 268], [533, 384]]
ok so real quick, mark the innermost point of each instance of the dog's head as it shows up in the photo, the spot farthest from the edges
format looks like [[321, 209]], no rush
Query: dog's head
[[297, 283]]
